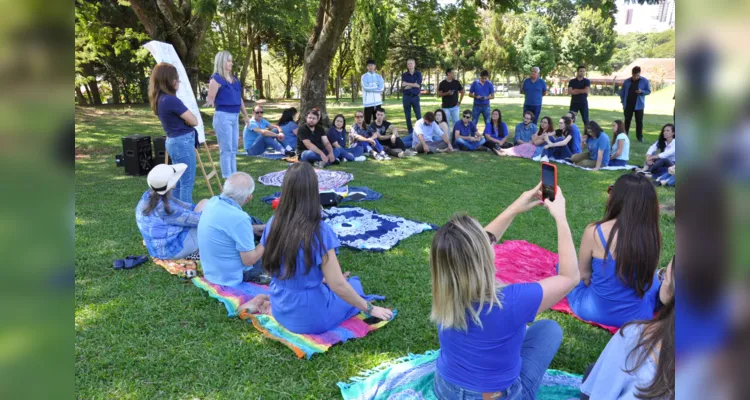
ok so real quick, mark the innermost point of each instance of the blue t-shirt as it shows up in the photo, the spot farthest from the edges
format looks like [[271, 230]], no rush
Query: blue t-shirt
[[481, 90], [170, 108], [464, 130], [250, 136], [496, 134], [290, 139], [533, 91], [601, 143], [524, 132], [224, 230], [488, 359], [229, 97], [336, 136], [575, 142]]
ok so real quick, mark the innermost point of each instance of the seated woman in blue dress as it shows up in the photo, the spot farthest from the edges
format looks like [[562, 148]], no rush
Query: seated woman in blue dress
[[169, 226], [639, 360], [288, 125], [558, 146], [486, 349], [337, 136], [619, 256], [308, 292]]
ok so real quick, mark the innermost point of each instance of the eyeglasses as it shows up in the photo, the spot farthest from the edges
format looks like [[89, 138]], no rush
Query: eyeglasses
[[467, 116], [359, 116], [609, 189], [258, 112]]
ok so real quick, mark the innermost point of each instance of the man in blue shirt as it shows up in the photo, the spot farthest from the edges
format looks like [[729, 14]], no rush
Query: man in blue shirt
[[533, 88], [525, 129], [226, 236], [633, 99], [482, 91], [578, 88], [411, 85], [257, 136], [466, 134]]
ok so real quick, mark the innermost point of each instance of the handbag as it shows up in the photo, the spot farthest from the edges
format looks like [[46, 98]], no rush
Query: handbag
[[329, 199]]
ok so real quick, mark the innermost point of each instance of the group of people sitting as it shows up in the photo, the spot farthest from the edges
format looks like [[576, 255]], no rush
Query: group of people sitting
[[486, 347]]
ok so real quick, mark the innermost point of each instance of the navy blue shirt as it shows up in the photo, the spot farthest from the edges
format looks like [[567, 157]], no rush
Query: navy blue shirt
[[464, 130], [336, 136], [576, 84], [229, 97], [416, 77], [170, 108]]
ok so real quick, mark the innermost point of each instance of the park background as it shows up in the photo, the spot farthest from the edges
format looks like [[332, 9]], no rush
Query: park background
[[142, 334]]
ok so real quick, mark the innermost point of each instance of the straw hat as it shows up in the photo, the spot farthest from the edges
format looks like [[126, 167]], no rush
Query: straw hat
[[163, 177]]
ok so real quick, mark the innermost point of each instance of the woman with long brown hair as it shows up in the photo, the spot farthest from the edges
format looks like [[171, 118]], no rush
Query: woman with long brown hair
[[178, 123], [308, 291], [620, 145], [619, 255], [639, 361]]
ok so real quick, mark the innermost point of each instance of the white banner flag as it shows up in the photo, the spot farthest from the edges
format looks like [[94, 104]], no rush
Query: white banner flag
[[164, 52]]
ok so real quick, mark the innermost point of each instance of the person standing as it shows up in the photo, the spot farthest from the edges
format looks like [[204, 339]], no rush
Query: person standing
[[633, 99], [534, 88], [482, 91], [578, 88], [448, 90], [372, 90], [225, 93], [411, 86]]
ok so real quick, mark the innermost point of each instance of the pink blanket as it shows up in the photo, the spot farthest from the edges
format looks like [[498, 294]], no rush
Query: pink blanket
[[518, 261]]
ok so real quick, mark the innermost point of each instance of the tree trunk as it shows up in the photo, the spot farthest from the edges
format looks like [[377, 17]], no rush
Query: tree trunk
[[332, 18], [88, 93], [88, 71], [144, 90], [250, 58], [115, 91], [80, 98], [338, 87], [259, 72]]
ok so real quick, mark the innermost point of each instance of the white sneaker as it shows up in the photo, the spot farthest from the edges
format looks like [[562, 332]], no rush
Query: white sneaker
[[410, 153], [385, 156], [318, 164], [344, 160], [360, 159], [545, 159], [537, 158], [378, 157]]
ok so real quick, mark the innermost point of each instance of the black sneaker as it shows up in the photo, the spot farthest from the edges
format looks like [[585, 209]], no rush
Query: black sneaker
[[640, 140], [290, 153]]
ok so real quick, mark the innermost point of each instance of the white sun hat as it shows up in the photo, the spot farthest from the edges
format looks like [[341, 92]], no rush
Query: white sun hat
[[163, 177]]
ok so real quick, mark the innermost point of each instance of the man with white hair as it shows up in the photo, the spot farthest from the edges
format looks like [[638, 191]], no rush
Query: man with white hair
[[533, 88], [226, 236]]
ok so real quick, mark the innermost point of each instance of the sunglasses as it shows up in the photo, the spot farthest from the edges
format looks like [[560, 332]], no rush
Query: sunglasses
[[467, 116], [258, 112]]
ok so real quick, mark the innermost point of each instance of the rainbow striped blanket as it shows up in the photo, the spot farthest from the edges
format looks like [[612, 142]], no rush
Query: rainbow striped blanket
[[303, 345], [411, 377]]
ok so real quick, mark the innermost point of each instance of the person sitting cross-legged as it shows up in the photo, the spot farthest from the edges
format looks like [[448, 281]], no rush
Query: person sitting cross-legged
[[539, 139], [337, 137], [496, 133], [428, 137], [661, 155], [169, 226], [288, 125], [261, 134], [523, 145], [312, 143], [558, 145], [387, 136], [597, 143], [441, 119], [226, 235], [308, 292], [363, 136], [466, 134], [488, 350]]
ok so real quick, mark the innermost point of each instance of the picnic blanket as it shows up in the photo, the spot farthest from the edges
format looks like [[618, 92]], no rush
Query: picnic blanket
[[411, 377], [362, 229], [327, 179], [628, 167], [518, 261], [370, 195], [271, 155], [303, 345]]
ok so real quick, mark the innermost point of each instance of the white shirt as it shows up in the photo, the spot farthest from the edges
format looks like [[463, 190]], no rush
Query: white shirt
[[668, 153]]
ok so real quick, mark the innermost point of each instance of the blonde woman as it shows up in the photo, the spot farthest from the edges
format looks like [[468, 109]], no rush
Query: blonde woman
[[225, 93], [486, 350]]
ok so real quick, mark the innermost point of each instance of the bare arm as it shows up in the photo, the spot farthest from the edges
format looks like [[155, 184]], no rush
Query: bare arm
[[189, 118], [213, 89], [424, 145], [620, 146], [599, 158], [310, 146], [243, 110], [526, 201], [585, 254], [251, 257]]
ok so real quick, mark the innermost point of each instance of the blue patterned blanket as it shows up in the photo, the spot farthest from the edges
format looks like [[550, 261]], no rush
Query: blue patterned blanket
[[362, 229]]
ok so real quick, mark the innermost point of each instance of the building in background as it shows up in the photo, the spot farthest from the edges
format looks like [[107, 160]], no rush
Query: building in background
[[634, 17]]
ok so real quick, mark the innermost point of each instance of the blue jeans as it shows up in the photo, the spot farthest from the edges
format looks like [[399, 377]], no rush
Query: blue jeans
[[408, 141], [366, 146], [409, 102], [539, 347], [558, 153], [452, 114], [617, 163], [181, 149], [311, 156], [227, 127], [484, 110], [582, 109], [535, 109], [464, 144], [261, 144]]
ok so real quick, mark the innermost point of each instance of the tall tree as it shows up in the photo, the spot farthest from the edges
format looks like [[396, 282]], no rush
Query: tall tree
[[182, 23], [461, 36], [589, 41], [416, 35], [539, 48], [343, 62], [331, 20], [372, 24]]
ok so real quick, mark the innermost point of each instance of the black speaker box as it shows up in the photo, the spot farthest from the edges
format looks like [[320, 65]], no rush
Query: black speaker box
[[160, 150], [136, 150]]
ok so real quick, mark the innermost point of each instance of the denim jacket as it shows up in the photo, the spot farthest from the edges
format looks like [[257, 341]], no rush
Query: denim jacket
[[640, 101], [164, 233]]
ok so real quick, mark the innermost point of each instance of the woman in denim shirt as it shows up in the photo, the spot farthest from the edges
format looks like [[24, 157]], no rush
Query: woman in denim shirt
[[169, 226]]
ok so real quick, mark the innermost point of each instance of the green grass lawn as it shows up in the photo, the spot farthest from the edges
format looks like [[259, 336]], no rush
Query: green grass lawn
[[144, 334]]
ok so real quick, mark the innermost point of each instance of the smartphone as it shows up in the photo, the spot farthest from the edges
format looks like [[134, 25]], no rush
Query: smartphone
[[549, 181]]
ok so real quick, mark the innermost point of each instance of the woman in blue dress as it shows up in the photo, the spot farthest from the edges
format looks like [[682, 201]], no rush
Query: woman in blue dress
[[289, 126], [619, 256], [308, 291]]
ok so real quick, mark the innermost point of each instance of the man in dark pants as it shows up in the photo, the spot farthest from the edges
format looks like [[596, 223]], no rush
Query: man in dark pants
[[411, 86], [578, 88], [632, 97]]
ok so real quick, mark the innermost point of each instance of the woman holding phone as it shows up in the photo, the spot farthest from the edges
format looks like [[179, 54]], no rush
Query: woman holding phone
[[486, 349]]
